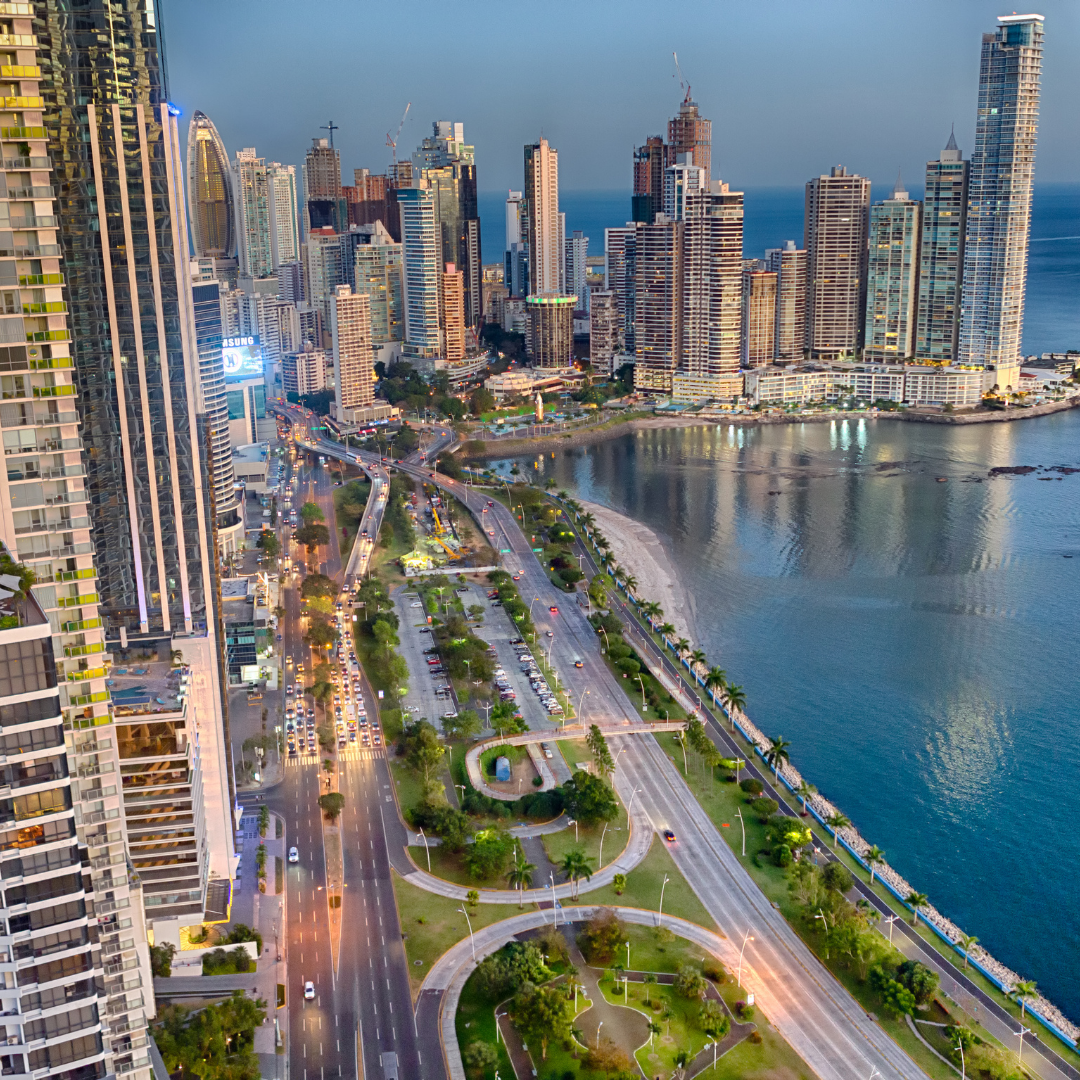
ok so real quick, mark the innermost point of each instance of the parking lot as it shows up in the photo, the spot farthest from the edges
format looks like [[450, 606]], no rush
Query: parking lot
[[421, 700]]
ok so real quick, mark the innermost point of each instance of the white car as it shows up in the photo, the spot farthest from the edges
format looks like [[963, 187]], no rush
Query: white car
[[416, 604], [294, 855], [309, 991]]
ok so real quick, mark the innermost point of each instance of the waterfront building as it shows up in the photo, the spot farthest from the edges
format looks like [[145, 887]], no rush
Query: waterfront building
[[690, 133], [453, 285], [549, 336], [941, 256], [577, 251], [620, 263], [544, 230], [709, 345], [516, 256], [421, 286], [649, 163], [759, 317], [658, 303], [789, 265], [354, 377], [892, 277], [122, 227], [836, 223], [210, 196], [324, 205], [999, 193], [603, 331]]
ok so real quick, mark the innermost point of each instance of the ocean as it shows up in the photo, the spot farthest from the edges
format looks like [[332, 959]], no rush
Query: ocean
[[773, 215]]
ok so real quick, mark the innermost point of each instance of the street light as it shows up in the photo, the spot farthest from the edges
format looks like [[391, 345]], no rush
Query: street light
[[742, 825], [1022, 1032], [963, 1068], [554, 902], [642, 685], [598, 1027], [890, 919], [468, 922], [746, 937], [426, 849], [660, 920], [635, 791], [573, 821]]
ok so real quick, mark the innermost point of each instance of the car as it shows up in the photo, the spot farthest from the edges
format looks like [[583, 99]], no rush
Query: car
[[668, 835], [294, 855], [578, 663], [278, 637], [416, 603], [309, 991], [485, 510], [553, 609], [550, 633]]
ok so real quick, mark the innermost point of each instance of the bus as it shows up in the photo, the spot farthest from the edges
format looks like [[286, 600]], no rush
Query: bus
[[322, 460]]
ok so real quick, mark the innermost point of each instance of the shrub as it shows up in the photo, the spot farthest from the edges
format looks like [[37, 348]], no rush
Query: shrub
[[713, 1019], [602, 935], [920, 980], [714, 970], [751, 786], [838, 878], [480, 1057], [782, 855], [746, 1012], [897, 998], [609, 1058], [689, 983], [764, 808]]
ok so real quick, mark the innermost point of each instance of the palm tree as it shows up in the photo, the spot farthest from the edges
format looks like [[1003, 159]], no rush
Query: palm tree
[[836, 822], [549, 483], [804, 792], [654, 1029], [917, 900], [620, 574], [1021, 991], [651, 610], [564, 495], [698, 658], [735, 699], [967, 942], [649, 979], [630, 583], [874, 857], [606, 559], [712, 758], [520, 876], [666, 630], [682, 646], [777, 754], [575, 865], [588, 521], [716, 680], [600, 542]]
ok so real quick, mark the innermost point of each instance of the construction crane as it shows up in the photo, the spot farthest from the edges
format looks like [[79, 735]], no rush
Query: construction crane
[[682, 81], [392, 143], [440, 528]]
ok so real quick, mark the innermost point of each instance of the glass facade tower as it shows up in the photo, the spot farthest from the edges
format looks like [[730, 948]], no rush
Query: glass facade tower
[[209, 191]]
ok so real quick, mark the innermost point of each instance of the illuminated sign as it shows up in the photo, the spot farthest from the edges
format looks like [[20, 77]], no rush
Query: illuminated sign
[[241, 358]]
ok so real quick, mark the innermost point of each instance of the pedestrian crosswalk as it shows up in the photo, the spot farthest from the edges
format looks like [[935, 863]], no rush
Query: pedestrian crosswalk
[[361, 753]]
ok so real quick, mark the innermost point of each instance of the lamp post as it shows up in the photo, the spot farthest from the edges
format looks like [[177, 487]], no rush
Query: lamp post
[[632, 794], [600, 862], [746, 938], [581, 701], [598, 1027], [660, 920], [468, 922], [427, 850], [628, 956], [573, 821], [890, 919], [554, 902], [742, 825], [963, 1068], [615, 764], [1022, 1032], [642, 685], [606, 639]]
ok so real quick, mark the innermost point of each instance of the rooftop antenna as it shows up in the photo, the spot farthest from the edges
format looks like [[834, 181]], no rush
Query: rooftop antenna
[[392, 143], [331, 127], [682, 81]]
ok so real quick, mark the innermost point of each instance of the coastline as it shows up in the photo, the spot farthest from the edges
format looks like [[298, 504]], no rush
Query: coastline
[[589, 437], [640, 551]]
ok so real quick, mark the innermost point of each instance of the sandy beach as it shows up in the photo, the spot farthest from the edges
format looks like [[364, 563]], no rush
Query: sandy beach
[[641, 552]]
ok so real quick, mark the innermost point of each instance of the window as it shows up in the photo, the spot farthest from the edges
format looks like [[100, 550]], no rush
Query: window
[[25, 742], [33, 835], [26, 666], [236, 404]]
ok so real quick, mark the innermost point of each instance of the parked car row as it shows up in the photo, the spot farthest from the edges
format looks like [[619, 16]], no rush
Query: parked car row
[[537, 681]]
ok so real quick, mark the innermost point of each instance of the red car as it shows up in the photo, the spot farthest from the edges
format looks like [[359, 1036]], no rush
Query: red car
[[554, 610]]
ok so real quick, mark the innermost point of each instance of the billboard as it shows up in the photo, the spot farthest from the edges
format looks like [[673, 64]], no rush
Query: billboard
[[241, 358]]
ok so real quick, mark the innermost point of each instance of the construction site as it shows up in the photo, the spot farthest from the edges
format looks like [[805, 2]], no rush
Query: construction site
[[438, 540]]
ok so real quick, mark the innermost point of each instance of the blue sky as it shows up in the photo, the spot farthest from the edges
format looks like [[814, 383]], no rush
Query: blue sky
[[791, 86]]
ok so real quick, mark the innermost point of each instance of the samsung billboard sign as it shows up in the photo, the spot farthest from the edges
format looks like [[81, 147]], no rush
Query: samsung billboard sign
[[241, 358]]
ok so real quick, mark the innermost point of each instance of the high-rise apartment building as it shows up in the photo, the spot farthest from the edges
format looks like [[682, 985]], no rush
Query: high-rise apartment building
[[681, 178], [649, 163], [304, 371], [620, 270], [577, 251], [453, 285], [284, 221], [516, 257], [421, 273], [789, 265], [941, 256], [658, 303], [122, 230], [999, 193], [266, 225], [210, 197], [690, 133], [892, 277], [377, 273], [837, 219], [758, 317], [323, 270], [603, 332], [712, 232], [367, 198], [549, 333], [290, 277], [353, 371], [544, 236]]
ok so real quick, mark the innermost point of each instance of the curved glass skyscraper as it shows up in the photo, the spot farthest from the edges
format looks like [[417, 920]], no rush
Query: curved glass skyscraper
[[210, 197]]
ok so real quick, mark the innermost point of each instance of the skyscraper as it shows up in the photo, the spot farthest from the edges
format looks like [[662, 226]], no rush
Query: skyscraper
[[759, 317], [549, 330], [210, 198], [324, 205], [690, 133], [837, 212], [123, 236], [516, 258], [351, 329], [453, 285], [421, 288], [577, 251], [603, 332], [284, 224], [892, 277], [377, 272], [542, 201], [789, 265], [649, 163], [620, 268], [681, 178], [710, 342], [941, 256], [266, 225], [324, 272], [999, 193], [658, 303]]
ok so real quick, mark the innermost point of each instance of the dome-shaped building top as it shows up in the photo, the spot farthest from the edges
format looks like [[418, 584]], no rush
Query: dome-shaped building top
[[210, 198]]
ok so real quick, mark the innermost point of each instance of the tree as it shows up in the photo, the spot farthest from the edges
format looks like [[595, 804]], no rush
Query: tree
[[618, 883], [542, 1013], [1023, 991], [472, 898], [836, 822], [603, 934], [874, 857], [666, 630], [764, 807], [520, 876], [311, 512], [487, 855], [967, 942], [269, 543], [920, 980], [313, 536], [777, 755], [837, 877], [690, 983], [318, 585], [598, 591], [481, 401], [321, 634], [423, 750], [161, 957], [331, 804], [476, 612], [716, 680], [649, 979], [698, 659], [735, 698], [575, 865], [714, 1021], [466, 725], [589, 799], [804, 792], [480, 1057], [917, 900], [214, 1043], [897, 998], [682, 646]]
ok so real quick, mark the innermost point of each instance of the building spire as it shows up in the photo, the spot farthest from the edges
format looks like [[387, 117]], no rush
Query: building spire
[[951, 151], [899, 193], [951, 144]]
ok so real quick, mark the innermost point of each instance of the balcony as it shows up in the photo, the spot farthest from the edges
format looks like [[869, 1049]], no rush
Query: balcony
[[54, 363], [89, 673], [55, 526], [20, 41], [54, 391], [48, 335], [27, 280], [83, 650], [20, 71], [21, 101], [49, 307], [76, 601], [75, 575], [35, 252], [82, 624]]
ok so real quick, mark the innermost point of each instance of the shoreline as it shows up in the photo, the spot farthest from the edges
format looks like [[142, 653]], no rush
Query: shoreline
[[588, 437]]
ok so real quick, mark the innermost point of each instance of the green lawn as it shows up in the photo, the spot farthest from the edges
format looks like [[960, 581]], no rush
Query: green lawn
[[450, 866], [475, 1022], [652, 949], [588, 840]]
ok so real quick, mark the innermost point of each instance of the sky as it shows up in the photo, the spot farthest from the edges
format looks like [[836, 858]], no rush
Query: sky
[[791, 86]]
